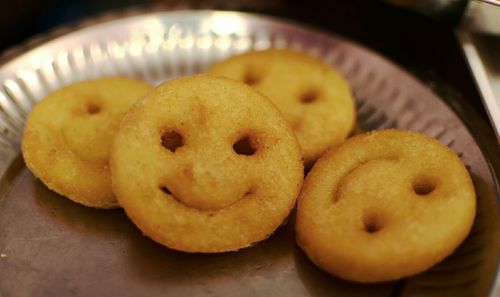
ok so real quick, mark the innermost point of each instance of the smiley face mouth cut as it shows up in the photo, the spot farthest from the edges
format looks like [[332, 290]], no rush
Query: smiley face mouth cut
[[337, 193], [166, 190]]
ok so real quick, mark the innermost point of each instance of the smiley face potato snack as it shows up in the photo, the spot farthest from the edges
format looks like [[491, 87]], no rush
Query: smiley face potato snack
[[314, 99], [206, 164], [68, 134], [384, 205]]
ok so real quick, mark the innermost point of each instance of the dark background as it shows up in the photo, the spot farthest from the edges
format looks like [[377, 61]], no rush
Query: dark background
[[425, 46], [420, 44]]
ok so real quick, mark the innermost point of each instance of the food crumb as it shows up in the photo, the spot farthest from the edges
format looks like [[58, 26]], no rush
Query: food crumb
[[2, 255]]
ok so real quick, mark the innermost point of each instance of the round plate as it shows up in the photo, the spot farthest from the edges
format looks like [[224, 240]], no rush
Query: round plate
[[50, 246]]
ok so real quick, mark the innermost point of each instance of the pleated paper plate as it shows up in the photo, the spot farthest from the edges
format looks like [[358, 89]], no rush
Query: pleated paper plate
[[50, 246]]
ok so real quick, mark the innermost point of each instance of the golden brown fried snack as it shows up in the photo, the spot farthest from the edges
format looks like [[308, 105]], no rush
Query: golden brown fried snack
[[206, 164], [311, 95], [68, 135], [384, 205]]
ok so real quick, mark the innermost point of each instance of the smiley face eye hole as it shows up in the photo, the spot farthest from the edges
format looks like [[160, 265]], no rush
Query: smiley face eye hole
[[93, 108], [172, 140], [424, 185], [309, 95], [372, 222], [245, 146]]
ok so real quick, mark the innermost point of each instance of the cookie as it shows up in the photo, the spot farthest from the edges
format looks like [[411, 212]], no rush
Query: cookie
[[314, 99], [384, 205], [206, 164], [68, 134]]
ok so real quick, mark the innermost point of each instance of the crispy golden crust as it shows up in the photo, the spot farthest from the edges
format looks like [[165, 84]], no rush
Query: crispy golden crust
[[68, 134], [313, 97], [384, 205], [183, 174]]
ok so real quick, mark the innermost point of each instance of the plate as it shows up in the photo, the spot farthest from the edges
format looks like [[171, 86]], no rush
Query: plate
[[50, 246]]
